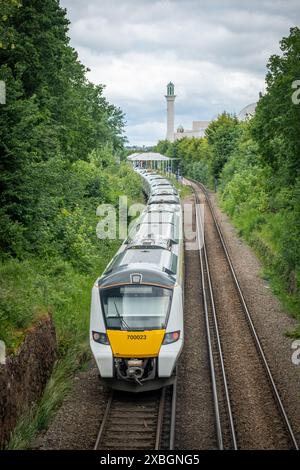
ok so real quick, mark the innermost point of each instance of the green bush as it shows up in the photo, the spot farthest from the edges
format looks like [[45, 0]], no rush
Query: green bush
[[59, 252], [256, 165]]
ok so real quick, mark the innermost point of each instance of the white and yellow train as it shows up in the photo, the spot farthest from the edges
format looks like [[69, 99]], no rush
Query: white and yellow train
[[136, 325]]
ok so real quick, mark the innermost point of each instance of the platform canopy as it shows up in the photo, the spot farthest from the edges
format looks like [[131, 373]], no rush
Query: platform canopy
[[148, 157], [151, 160], [131, 157]]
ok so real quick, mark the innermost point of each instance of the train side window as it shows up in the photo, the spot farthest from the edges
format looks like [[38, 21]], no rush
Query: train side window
[[174, 261]]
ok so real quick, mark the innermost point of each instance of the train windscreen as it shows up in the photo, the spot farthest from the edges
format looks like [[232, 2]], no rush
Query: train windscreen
[[136, 307]]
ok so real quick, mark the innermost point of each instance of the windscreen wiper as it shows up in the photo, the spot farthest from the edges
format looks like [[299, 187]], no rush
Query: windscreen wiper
[[123, 322]]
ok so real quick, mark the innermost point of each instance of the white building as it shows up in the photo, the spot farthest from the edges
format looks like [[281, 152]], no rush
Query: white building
[[198, 130], [198, 127], [247, 112]]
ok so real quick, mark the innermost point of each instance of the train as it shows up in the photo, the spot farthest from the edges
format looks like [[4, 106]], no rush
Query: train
[[136, 319]]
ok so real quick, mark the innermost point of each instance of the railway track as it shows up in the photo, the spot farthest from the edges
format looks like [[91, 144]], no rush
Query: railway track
[[248, 409], [225, 430], [139, 421]]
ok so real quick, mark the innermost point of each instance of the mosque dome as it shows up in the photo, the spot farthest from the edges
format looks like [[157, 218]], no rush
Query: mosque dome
[[247, 112]]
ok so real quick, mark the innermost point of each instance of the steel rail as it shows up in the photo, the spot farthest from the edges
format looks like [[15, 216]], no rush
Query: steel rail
[[250, 321], [205, 266], [103, 422], [209, 341], [173, 413], [160, 418]]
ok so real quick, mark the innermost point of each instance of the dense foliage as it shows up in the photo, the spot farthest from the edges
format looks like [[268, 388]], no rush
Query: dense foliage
[[193, 157], [52, 112], [61, 149], [61, 143], [256, 165]]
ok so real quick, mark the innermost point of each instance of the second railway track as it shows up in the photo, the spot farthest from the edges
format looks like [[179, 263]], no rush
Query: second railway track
[[249, 412]]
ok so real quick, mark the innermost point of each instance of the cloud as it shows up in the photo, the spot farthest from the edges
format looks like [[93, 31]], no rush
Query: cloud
[[215, 52], [136, 82], [156, 130]]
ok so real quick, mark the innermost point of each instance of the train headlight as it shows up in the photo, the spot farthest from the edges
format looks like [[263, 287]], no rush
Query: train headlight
[[171, 337], [100, 337]]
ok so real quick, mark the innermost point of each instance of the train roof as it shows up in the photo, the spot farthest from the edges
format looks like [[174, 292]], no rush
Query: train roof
[[164, 207], [149, 275], [159, 217], [154, 177], [154, 263], [153, 232], [164, 199], [161, 190], [159, 182], [149, 248]]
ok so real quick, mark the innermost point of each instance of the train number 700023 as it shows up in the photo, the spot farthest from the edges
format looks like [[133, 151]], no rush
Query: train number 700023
[[136, 336]]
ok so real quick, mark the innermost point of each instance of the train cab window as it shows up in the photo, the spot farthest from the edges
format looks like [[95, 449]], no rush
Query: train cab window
[[136, 307]]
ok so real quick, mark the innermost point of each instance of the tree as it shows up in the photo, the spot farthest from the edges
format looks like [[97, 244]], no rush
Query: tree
[[276, 125], [52, 111], [162, 146], [222, 135]]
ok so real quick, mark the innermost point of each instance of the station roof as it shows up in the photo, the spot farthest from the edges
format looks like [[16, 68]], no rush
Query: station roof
[[148, 157]]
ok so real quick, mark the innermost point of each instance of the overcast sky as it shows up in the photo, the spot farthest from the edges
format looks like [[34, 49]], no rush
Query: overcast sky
[[214, 51]]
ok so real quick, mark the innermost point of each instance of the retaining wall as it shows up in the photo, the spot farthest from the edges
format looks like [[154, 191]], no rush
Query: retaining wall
[[24, 375]]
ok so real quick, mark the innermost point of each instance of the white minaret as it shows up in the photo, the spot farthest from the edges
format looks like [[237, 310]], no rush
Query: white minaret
[[170, 97]]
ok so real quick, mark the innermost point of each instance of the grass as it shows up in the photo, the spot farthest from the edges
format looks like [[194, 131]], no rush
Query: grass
[[261, 233], [289, 301], [41, 414], [55, 286], [58, 279], [183, 189], [21, 301], [35, 286]]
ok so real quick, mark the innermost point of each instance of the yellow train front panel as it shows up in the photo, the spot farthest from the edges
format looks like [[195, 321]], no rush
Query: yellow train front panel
[[135, 343]]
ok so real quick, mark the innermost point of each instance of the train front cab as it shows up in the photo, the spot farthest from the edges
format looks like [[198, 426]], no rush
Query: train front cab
[[137, 351]]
